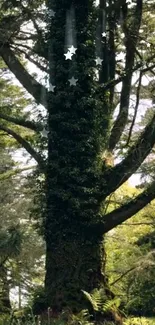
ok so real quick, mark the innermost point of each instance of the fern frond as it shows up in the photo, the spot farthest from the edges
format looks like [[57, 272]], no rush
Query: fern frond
[[97, 298], [91, 300], [99, 301], [111, 304]]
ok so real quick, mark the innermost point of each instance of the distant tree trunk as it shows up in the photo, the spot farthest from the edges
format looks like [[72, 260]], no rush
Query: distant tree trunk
[[5, 291], [19, 296]]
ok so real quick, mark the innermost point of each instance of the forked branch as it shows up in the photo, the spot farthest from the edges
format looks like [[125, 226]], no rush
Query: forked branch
[[117, 175]]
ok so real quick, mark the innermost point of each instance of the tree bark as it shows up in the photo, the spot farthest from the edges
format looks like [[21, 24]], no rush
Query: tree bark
[[75, 257], [73, 264]]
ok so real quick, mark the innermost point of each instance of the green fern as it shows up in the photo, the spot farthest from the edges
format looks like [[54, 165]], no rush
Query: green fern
[[99, 301], [112, 304], [82, 318], [90, 298]]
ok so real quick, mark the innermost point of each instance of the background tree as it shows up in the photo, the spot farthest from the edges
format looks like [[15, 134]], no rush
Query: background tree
[[21, 248]]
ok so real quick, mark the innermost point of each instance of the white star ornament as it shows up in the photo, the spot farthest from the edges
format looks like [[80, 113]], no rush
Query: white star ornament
[[68, 56], [51, 88], [99, 61], [72, 49], [73, 81]]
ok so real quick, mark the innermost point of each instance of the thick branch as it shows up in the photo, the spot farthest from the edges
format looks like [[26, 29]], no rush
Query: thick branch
[[131, 37], [25, 145], [28, 82], [21, 121], [126, 211], [116, 176]]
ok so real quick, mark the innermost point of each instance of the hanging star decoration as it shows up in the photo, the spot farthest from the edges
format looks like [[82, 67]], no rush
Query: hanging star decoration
[[99, 61], [44, 133], [68, 55], [104, 34], [73, 81], [68, 105], [130, 3], [72, 49], [51, 13], [51, 88]]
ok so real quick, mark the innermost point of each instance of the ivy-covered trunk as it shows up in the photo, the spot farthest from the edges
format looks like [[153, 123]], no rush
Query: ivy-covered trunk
[[75, 254]]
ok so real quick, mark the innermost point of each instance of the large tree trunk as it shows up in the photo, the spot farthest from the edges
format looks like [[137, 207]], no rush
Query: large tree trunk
[[73, 264], [75, 255]]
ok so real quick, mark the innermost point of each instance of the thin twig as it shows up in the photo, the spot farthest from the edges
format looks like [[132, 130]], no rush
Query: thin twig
[[124, 274]]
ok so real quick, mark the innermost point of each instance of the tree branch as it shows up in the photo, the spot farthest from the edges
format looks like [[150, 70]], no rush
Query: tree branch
[[25, 145], [139, 224], [131, 38], [3, 262], [136, 108], [112, 51], [123, 275], [28, 82], [114, 177], [22, 36], [115, 82], [21, 121], [27, 56], [10, 173], [126, 211]]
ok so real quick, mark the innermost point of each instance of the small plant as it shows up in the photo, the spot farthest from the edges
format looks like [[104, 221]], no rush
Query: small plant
[[4, 319], [18, 318], [138, 321], [82, 318], [99, 301]]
